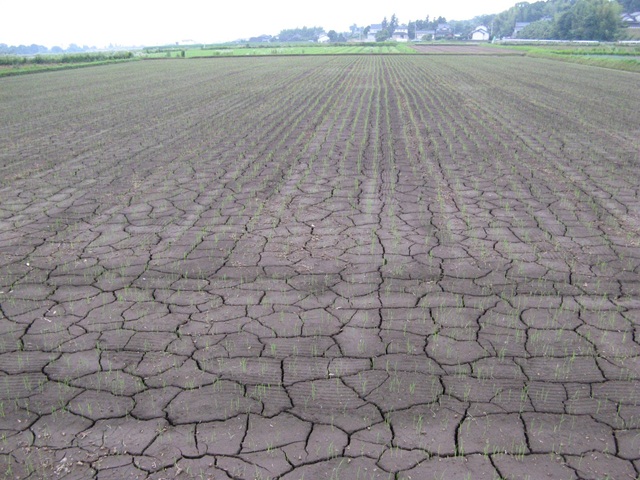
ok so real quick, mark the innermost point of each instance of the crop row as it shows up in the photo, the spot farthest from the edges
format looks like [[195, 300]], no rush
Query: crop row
[[416, 265]]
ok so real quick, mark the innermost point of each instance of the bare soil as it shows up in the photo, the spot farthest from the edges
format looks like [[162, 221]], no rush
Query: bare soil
[[338, 267], [464, 49]]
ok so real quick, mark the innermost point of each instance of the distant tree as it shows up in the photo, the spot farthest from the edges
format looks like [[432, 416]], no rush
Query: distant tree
[[485, 20], [304, 34], [630, 6], [563, 25], [411, 29], [382, 35], [333, 36], [463, 27], [423, 24], [530, 12], [57, 49], [431, 24], [30, 50], [365, 32], [540, 30], [504, 23], [589, 20], [393, 24], [569, 19], [438, 21], [38, 48]]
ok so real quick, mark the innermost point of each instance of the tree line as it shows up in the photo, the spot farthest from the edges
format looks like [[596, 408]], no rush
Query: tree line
[[630, 6], [563, 19], [34, 49], [86, 57]]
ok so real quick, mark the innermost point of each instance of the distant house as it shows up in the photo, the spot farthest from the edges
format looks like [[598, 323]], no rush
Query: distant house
[[401, 34], [424, 35], [518, 28], [443, 30], [631, 20], [324, 39], [373, 30], [480, 34], [356, 32]]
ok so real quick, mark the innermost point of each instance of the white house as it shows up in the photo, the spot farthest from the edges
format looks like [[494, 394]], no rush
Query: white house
[[324, 39], [480, 34], [373, 30], [424, 35], [401, 34]]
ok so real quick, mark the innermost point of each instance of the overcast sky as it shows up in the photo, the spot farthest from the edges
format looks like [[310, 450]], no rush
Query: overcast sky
[[144, 22]]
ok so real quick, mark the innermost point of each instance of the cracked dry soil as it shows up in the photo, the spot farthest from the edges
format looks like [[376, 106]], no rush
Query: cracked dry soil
[[341, 267]]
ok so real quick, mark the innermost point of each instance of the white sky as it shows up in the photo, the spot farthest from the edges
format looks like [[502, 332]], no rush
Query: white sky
[[138, 22]]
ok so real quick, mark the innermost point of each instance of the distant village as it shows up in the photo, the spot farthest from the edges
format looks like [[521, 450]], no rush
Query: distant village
[[401, 33], [439, 31], [443, 31]]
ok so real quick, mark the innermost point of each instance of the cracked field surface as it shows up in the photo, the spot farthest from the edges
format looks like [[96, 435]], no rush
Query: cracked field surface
[[463, 49], [400, 267]]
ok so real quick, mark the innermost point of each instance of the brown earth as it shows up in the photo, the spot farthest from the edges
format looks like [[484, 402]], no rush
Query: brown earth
[[337, 267], [464, 49]]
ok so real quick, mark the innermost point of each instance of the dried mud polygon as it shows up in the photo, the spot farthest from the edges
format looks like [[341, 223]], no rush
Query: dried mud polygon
[[384, 267]]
